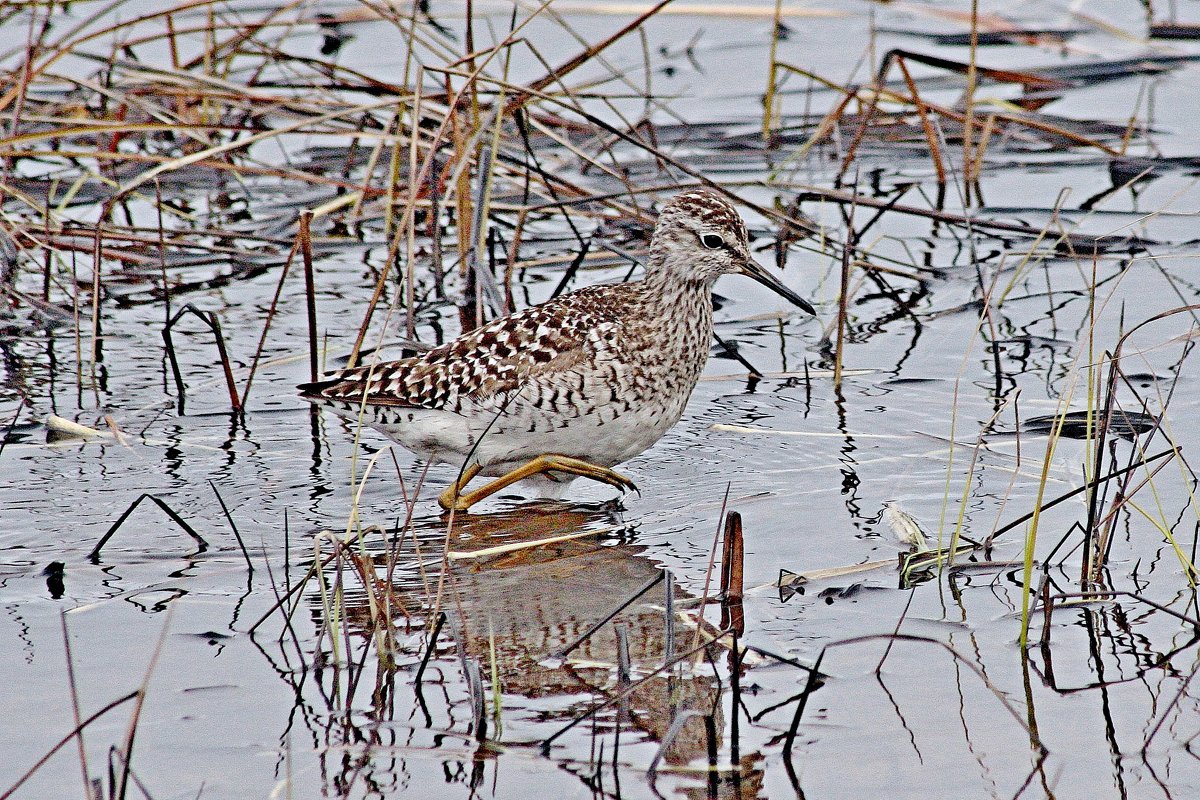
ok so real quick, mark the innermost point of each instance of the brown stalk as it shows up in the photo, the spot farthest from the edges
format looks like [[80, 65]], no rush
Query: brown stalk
[[271, 311], [414, 190], [1123, 496], [935, 152], [214, 325], [1090, 485], [1025, 79], [733, 556], [96, 268], [31, 47], [241, 34], [989, 126], [589, 53], [514, 250], [865, 118], [304, 242]]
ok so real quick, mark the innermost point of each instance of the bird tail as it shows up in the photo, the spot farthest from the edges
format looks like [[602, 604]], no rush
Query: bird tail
[[315, 390]]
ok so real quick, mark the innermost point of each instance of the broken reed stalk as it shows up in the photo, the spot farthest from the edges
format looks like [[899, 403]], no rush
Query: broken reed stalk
[[732, 569], [1081, 241], [935, 151], [214, 324], [590, 52], [731, 350], [1090, 485], [94, 555], [310, 293]]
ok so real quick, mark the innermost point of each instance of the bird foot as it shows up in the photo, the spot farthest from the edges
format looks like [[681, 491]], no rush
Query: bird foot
[[454, 499]]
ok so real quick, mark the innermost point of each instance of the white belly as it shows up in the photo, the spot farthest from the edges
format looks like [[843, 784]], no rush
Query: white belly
[[502, 441]]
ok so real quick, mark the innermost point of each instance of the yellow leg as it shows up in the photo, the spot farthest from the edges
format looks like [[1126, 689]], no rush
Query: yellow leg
[[449, 498], [453, 498]]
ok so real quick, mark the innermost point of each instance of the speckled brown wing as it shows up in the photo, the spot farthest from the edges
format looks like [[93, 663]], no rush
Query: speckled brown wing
[[486, 364]]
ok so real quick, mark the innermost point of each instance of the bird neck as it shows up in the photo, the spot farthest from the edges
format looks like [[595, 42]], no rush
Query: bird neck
[[670, 282], [668, 290], [683, 313]]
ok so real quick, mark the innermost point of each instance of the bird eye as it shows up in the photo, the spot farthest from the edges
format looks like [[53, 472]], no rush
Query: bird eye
[[712, 241]]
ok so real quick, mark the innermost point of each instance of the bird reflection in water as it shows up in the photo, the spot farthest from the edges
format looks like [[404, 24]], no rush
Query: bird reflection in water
[[541, 618]]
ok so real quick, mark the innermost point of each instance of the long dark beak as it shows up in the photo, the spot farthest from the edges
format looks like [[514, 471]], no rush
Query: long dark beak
[[760, 274]]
